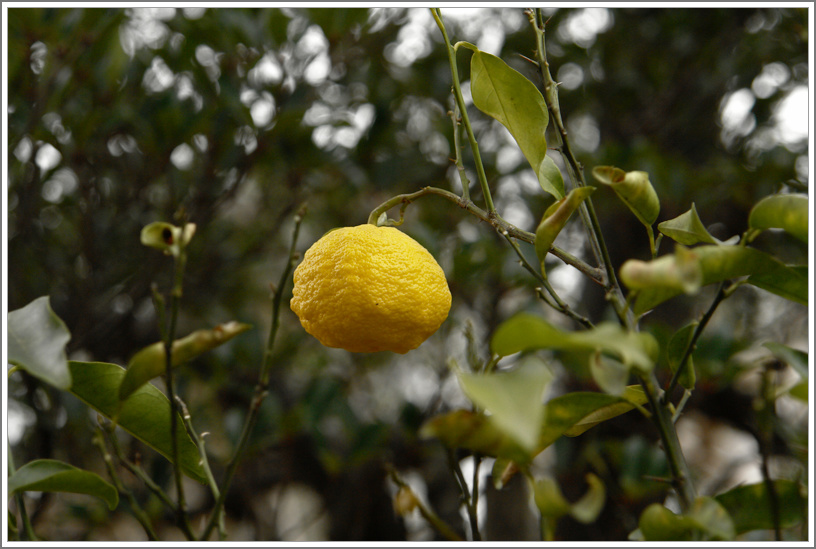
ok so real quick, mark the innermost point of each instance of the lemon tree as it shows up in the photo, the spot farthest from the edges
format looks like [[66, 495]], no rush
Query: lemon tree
[[367, 289]]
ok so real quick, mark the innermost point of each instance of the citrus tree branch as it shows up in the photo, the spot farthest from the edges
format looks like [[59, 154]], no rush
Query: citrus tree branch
[[460, 103], [403, 200], [586, 210], [662, 417], [261, 389]]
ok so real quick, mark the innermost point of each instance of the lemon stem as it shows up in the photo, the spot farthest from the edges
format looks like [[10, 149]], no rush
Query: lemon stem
[[495, 221]]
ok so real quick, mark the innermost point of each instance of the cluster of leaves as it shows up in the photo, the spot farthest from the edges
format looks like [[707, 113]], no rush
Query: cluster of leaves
[[510, 422]]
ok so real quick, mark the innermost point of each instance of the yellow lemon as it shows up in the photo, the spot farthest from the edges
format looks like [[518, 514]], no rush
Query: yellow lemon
[[368, 289]]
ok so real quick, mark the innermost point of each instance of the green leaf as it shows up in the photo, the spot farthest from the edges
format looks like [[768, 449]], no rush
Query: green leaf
[[48, 475], [719, 263], [555, 218], [587, 509], [788, 212], [800, 391], [506, 95], [634, 189], [750, 506], [514, 398], [570, 414], [549, 499], [583, 412], [687, 229], [150, 362], [525, 332], [660, 524], [473, 431], [679, 271], [36, 342], [706, 516], [549, 176], [798, 360], [713, 519], [610, 374], [145, 415], [676, 349], [790, 282]]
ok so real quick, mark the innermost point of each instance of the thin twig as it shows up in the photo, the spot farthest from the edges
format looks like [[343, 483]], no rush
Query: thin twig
[[558, 304], [456, 117], [722, 293], [496, 222], [586, 209], [141, 516], [261, 389], [433, 519], [460, 101], [467, 498], [205, 462], [169, 337], [27, 527], [766, 420]]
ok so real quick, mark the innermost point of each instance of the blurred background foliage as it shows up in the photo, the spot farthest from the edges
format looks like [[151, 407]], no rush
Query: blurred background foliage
[[233, 118]]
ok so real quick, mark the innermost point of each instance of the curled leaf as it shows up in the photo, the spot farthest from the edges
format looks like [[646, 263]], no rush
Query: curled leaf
[[634, 189], [555, 218], [167, 237], [687, 229], [788, 212], [679, 271], [150, 362]]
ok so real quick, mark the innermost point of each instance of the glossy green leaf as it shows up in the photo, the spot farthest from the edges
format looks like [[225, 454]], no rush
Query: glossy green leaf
[[583, 412], [719, 263], [750, 506], [555, 218], [150, 362], [678, 271], [145, 415], [707, 517], [687, 229], [36, 342], [788, 212], [525, 332], [48, 475], [513, 399], [550, 177], [634, 189], [790, 282], [506, 95], [676, 349]]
